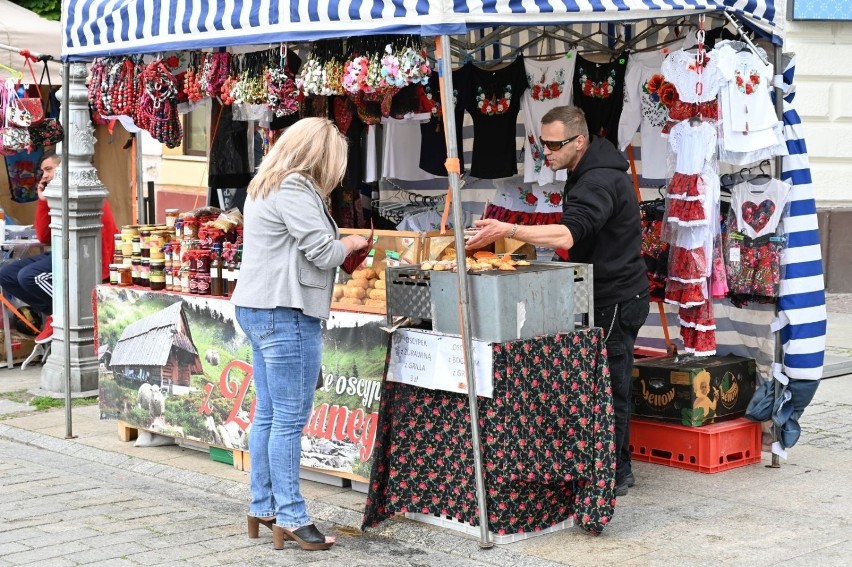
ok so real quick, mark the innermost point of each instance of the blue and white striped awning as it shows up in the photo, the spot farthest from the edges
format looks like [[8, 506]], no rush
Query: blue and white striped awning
[[113, 27]]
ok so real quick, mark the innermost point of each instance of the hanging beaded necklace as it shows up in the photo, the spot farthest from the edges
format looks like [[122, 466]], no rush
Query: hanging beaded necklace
[[283, 96], [113, 87], [191, 86], [158, 108], [217, 67]]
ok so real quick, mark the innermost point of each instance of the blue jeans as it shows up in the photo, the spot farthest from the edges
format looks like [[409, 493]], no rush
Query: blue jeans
[[621, 323], [287, 352]]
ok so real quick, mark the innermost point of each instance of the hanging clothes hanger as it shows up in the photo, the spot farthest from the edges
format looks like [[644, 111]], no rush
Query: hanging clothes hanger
[[15, 74], [546, 35]]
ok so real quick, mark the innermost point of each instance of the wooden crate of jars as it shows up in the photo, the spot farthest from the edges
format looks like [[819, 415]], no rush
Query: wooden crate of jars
[[364, 291]]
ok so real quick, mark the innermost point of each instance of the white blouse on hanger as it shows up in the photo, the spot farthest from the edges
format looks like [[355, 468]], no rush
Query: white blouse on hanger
[[693, 145], [751, 130], [550, 85], [680, 69], [401, 148], [643, 111]]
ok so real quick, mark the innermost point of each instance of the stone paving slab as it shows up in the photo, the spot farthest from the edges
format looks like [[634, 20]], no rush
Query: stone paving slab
[[135, 519]]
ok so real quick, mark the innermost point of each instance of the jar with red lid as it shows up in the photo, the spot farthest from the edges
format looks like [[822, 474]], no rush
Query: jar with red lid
[[190, 228]]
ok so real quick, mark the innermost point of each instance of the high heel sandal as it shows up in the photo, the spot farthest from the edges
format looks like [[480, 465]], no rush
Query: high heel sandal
[[254, 525], [308, 538]]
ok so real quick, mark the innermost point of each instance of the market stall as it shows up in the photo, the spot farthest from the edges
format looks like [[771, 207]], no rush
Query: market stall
[[93, 30]]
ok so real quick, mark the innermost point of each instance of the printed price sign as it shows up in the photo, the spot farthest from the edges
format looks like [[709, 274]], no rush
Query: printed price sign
[[429, 360]]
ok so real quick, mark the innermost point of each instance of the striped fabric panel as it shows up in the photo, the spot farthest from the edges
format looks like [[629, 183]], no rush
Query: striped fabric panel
[[802, 300], [111, 27], [114, 27]]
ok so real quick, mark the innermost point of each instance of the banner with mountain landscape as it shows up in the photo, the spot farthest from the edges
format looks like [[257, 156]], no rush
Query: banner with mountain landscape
[[180, 366]]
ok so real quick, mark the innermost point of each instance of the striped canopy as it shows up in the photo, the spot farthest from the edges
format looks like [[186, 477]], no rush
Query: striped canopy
[[114, 27]]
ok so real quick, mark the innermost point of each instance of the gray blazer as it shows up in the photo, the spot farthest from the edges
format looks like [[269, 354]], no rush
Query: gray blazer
[[290, 250]]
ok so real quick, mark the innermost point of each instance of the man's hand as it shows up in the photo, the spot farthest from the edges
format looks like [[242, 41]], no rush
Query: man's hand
[[489, 231]]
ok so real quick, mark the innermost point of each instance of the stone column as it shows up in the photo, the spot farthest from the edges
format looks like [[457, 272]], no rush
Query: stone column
[[86, 194]]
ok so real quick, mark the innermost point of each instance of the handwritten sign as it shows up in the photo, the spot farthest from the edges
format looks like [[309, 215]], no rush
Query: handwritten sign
[[436, 361]]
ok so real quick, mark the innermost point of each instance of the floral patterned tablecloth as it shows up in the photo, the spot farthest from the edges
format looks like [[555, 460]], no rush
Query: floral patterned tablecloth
[[547, 438]]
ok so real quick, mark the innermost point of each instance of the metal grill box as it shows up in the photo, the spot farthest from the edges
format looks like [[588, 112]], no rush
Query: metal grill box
[[531, 301], [408, 292]]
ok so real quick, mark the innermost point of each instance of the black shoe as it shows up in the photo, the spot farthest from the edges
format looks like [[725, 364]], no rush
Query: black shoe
[[630, 480], [621, 489]]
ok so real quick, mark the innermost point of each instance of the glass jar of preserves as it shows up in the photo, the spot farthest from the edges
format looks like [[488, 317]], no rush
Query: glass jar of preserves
[[127, 247], [136, 267], [113, 274], [157, 277], [184, 280], [145, 272], [190, 228], [136, 246], [125, 275], [171, 217]]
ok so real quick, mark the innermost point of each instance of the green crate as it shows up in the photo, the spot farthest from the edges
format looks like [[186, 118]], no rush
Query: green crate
[[222, 455]]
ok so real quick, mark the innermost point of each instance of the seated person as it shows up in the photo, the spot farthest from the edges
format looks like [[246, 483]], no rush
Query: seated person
[[31, 279]]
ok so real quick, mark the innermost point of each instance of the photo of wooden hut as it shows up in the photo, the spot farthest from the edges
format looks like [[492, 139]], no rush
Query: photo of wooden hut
[[157, 349]]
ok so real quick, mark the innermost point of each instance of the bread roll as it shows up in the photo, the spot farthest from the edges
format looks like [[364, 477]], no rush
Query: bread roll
[[365, 274], [376, 303], [378, 294], [351, 301], [363, 283], [380, 284], [355, 292], [338, 291]]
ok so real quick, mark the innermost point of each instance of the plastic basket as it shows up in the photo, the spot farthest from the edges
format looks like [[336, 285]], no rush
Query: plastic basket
[[709, 449]]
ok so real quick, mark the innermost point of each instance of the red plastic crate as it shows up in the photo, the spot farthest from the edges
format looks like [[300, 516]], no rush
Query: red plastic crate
[[708, 449]]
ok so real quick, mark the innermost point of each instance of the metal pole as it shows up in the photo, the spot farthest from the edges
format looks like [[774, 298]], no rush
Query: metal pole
[[744, 37], [464, 293], [40, 56], [66, 280], [779, 351]]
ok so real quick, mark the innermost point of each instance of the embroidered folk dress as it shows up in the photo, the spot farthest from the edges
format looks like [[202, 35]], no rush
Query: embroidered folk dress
[[599, 92], [751, 130], [643, 110], [754, 244], [493, 102], [692, 219], [549, 86]]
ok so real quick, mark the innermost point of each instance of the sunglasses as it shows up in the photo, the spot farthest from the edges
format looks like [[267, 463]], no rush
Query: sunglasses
[[556, 145]]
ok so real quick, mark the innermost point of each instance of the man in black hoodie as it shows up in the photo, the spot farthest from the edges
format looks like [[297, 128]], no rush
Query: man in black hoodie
[[600, 226]]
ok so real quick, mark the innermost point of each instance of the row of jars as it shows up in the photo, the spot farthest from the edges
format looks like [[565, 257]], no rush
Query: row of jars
[[171, 258]]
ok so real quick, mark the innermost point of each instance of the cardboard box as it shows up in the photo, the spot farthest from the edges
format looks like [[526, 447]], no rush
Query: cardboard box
[[692, 391], [22, 346]]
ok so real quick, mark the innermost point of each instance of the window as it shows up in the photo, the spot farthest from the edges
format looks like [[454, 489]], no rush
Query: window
[[196, 131]]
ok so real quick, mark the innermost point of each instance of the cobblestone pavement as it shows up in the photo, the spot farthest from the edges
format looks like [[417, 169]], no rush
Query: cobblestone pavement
[[60, 510], [838, 302]]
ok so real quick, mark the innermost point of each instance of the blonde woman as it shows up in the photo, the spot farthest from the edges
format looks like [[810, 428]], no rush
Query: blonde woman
[[291, 249]]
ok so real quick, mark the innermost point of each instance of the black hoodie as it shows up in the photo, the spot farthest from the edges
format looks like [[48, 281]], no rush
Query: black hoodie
[[601, 211]]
